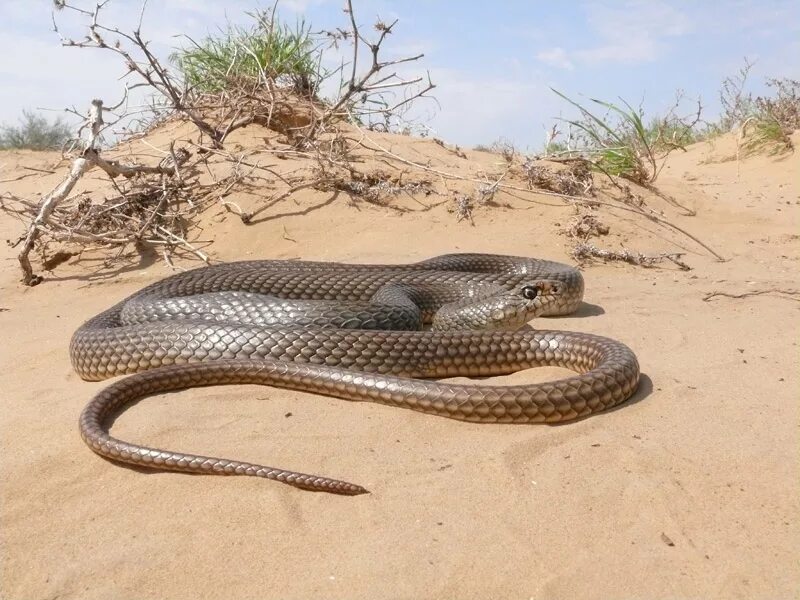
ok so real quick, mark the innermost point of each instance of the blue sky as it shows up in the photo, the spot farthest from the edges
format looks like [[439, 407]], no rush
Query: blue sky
[[493, 62]]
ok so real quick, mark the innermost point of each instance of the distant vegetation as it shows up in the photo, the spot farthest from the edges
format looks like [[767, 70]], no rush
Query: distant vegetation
[[34, 132], [616, 139]]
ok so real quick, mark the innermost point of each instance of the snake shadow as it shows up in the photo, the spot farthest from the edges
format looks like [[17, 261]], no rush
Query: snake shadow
[[588, 310], [643, 391]]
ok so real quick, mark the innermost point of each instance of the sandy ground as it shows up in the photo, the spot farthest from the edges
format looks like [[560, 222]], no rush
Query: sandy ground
[[690, 490]]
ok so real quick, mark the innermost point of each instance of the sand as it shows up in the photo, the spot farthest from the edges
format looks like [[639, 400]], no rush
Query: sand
[[690, 490]]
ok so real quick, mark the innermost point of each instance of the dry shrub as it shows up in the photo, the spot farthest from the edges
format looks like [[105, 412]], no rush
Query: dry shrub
[[784, 107], [584, 226], [379, 187], [573, 177]]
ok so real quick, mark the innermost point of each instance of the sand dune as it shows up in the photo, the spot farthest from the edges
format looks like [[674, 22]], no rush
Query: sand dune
[[689, 490]]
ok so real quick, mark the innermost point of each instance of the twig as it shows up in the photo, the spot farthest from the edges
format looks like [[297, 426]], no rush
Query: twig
[[10, 179], [370, 87], [198, 253], [286, 235], [787, 294], [247, 217]]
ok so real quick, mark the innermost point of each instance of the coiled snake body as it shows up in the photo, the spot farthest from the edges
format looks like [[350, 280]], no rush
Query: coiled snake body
[[318, 353]]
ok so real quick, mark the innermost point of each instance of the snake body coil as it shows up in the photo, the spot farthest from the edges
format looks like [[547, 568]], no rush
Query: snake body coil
[[388, 367]]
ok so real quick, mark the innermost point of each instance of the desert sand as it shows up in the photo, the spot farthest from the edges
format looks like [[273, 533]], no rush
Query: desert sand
[[689, 490]]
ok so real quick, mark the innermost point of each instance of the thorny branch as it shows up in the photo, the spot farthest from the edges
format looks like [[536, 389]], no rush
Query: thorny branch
[[151, 71], [371, 86]]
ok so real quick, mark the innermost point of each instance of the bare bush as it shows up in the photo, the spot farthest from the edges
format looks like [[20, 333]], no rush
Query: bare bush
[[146, 211], [784, 107], [584, 226], [267, 75]]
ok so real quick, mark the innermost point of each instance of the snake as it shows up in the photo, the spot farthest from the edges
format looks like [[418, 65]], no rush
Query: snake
[[320, 327]]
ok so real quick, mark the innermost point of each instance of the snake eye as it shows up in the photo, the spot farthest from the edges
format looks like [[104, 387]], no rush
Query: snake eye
[[529, 292]]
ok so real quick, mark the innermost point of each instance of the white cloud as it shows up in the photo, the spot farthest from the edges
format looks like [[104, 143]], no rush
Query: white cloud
[[480, 108], [629, 51], [74, 76], [631, 32], [555, 57], [640, 18]]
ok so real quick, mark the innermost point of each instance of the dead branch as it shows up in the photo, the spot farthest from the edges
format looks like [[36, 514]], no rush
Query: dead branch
[[247, 217], [45, 220], [48, 205], [148, 67], [584, 250], [114, 168], [372, 87], [787, 294]]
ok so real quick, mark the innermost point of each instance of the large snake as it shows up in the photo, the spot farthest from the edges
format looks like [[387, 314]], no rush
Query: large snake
[[331, 346]]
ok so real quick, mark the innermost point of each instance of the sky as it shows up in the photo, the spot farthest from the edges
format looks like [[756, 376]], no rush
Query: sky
[[494, 63]]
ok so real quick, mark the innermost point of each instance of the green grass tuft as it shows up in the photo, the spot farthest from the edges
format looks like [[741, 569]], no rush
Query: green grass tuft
[[268, 49], [618, 144]]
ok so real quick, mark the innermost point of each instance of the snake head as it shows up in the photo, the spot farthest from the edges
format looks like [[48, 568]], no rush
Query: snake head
[[513, 308], [500, 308], [540, 292]]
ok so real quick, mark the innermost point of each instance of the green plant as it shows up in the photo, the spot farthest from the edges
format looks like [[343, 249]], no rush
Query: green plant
[[268, 49], [737, 104], [773, 118], [764, 132], [622, 148], [501, 146], [620, 144], [554, 147], [34, 132]]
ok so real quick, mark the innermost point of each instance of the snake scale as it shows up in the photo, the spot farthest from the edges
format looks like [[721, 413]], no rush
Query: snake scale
[[347, 356]]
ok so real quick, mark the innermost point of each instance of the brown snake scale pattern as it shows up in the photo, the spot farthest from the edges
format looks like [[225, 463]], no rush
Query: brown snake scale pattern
[[388, 367]]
